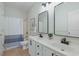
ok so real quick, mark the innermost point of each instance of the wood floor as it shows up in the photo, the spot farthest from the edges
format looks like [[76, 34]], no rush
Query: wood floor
[[16, 52]]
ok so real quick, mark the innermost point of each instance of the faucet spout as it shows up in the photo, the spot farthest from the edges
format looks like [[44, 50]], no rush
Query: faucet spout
[[64, 41]]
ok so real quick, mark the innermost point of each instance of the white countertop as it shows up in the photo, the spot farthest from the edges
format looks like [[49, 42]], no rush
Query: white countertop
[[56, 45]]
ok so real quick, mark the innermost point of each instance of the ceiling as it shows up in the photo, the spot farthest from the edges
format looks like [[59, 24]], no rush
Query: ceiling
[[23, 6]]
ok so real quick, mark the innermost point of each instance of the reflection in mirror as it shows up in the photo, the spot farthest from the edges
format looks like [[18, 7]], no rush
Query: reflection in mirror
[[32, 26], [42, 22], [67, 19]]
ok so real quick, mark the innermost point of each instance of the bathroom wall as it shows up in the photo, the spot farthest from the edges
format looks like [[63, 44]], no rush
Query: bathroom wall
[[2, 24], [36, 9]]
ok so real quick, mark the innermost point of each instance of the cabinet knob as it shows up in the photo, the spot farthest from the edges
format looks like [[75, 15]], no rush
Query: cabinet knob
[[37, 53], [37, 45], [52, 54]]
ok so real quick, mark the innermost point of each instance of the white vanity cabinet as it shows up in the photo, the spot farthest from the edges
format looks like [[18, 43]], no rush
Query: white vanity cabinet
[[36, 48], [39, 49], [48, 52]]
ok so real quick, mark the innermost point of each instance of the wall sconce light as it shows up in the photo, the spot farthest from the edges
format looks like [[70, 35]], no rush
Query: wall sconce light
[[45, 3], [49, 2]]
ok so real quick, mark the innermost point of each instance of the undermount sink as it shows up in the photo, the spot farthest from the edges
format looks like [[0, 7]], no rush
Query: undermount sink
[[66, 48], [62, 47]]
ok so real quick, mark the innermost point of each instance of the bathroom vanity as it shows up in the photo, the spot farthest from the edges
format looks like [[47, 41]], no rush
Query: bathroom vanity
[[46, 47], [59, 20]]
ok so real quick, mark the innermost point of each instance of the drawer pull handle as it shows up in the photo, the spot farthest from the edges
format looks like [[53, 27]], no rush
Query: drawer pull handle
[[52, 54], [37, 53], [37, 45]]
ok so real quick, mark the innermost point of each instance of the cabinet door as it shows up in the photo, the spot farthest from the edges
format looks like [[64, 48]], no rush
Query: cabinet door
[[39, 49], [44, 51], [48, 52], [51, 52], [32, 47]]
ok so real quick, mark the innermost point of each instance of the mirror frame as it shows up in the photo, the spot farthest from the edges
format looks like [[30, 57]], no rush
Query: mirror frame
[[47, 22], [54, 19], [54, 24]]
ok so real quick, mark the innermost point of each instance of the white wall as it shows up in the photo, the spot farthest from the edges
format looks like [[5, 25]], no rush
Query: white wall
[[33, 13], [2, 24], [36, 9]]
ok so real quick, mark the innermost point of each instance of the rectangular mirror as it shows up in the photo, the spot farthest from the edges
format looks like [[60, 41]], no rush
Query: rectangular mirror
[[42, 22], [60, 19], [67, 19]]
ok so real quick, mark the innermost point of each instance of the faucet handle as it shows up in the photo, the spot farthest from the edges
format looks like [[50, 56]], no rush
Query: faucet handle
[[40, 35], [63, 39]]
